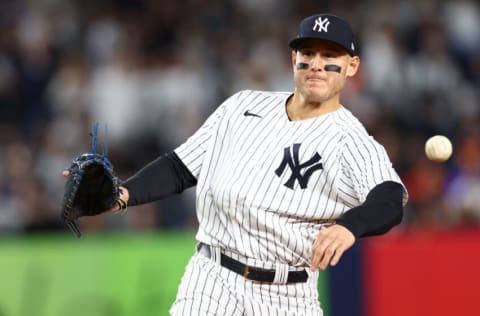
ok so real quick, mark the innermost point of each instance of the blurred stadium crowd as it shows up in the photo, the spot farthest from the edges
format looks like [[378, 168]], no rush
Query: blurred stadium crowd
[[152, 71]]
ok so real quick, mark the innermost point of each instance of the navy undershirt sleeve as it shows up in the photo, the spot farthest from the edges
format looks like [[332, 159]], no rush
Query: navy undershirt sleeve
[[382, 210], [163, 177]]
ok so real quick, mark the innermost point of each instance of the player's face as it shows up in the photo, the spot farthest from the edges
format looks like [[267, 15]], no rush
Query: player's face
[[314, 83]]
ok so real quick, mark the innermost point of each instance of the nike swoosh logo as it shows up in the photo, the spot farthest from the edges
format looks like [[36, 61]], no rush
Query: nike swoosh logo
[[248, 113]]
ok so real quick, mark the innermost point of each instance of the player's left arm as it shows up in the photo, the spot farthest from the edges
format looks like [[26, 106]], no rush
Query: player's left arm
[[370, 176], [382, 210]]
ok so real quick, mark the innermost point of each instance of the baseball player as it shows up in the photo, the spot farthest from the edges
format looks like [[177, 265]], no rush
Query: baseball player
[[286, 183]]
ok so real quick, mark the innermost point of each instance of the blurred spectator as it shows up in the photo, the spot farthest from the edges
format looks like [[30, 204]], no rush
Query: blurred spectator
[[463, 186], [462, 20], [114, 97]]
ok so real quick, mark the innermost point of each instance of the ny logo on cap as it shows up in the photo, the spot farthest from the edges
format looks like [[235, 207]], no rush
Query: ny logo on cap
[[321, 25]]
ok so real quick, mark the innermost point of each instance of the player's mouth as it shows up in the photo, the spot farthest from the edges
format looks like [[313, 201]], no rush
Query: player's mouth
[[315, 78]]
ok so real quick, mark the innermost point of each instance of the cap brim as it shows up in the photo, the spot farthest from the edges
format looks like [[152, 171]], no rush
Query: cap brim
[[297, 43]]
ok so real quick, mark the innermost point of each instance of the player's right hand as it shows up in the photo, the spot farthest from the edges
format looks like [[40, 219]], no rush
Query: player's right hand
[[124, 196]]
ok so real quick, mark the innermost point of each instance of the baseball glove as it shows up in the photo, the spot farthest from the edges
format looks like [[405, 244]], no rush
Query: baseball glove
[[92, 187]]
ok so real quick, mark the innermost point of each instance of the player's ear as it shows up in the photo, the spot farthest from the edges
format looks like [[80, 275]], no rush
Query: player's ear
[[294, 58], [352, 66]]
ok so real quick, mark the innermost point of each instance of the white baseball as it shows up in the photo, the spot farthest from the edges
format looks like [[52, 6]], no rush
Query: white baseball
[[438, 148]]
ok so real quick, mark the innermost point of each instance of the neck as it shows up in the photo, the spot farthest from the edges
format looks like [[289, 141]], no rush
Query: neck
[[300, 108]]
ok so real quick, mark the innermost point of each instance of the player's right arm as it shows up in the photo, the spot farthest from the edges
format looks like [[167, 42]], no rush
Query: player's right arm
[[172, 172], [163, 177]]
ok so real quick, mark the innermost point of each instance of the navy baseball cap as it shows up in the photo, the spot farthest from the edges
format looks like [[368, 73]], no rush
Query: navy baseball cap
[[328, 27]]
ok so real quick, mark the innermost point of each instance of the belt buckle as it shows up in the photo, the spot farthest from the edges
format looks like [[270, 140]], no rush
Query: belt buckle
[[246, 271]]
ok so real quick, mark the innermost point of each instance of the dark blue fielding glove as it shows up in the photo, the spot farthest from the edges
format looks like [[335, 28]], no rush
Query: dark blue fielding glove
[[92, 187]]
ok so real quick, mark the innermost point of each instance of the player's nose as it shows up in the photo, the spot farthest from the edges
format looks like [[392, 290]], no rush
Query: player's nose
[[316, 63]]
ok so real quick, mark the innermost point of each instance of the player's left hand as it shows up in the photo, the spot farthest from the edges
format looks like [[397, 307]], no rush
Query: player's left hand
[[330, 245]]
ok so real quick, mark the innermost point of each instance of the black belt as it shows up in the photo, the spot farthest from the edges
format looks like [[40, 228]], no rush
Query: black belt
[[256, 274]]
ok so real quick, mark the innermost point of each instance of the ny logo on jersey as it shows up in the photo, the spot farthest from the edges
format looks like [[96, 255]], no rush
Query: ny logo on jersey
[[290, 158], [321, 25]]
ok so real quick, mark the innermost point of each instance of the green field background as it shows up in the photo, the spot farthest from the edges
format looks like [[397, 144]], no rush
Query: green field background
[[98, 275]]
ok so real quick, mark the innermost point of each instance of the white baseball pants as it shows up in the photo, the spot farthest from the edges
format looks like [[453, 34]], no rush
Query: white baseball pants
[[208, 289]]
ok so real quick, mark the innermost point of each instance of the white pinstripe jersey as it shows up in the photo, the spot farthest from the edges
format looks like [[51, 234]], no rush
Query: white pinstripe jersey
[[266, 185]]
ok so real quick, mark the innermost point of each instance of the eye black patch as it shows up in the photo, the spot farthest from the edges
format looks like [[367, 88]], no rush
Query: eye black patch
[[334, 68], [302, 66]]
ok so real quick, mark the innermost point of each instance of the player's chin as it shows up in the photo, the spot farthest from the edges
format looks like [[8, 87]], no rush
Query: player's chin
[[316, 86], [314, 95]]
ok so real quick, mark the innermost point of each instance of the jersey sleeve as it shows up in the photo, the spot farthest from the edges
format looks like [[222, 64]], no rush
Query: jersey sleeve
[[366, 164], [192, 151]]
